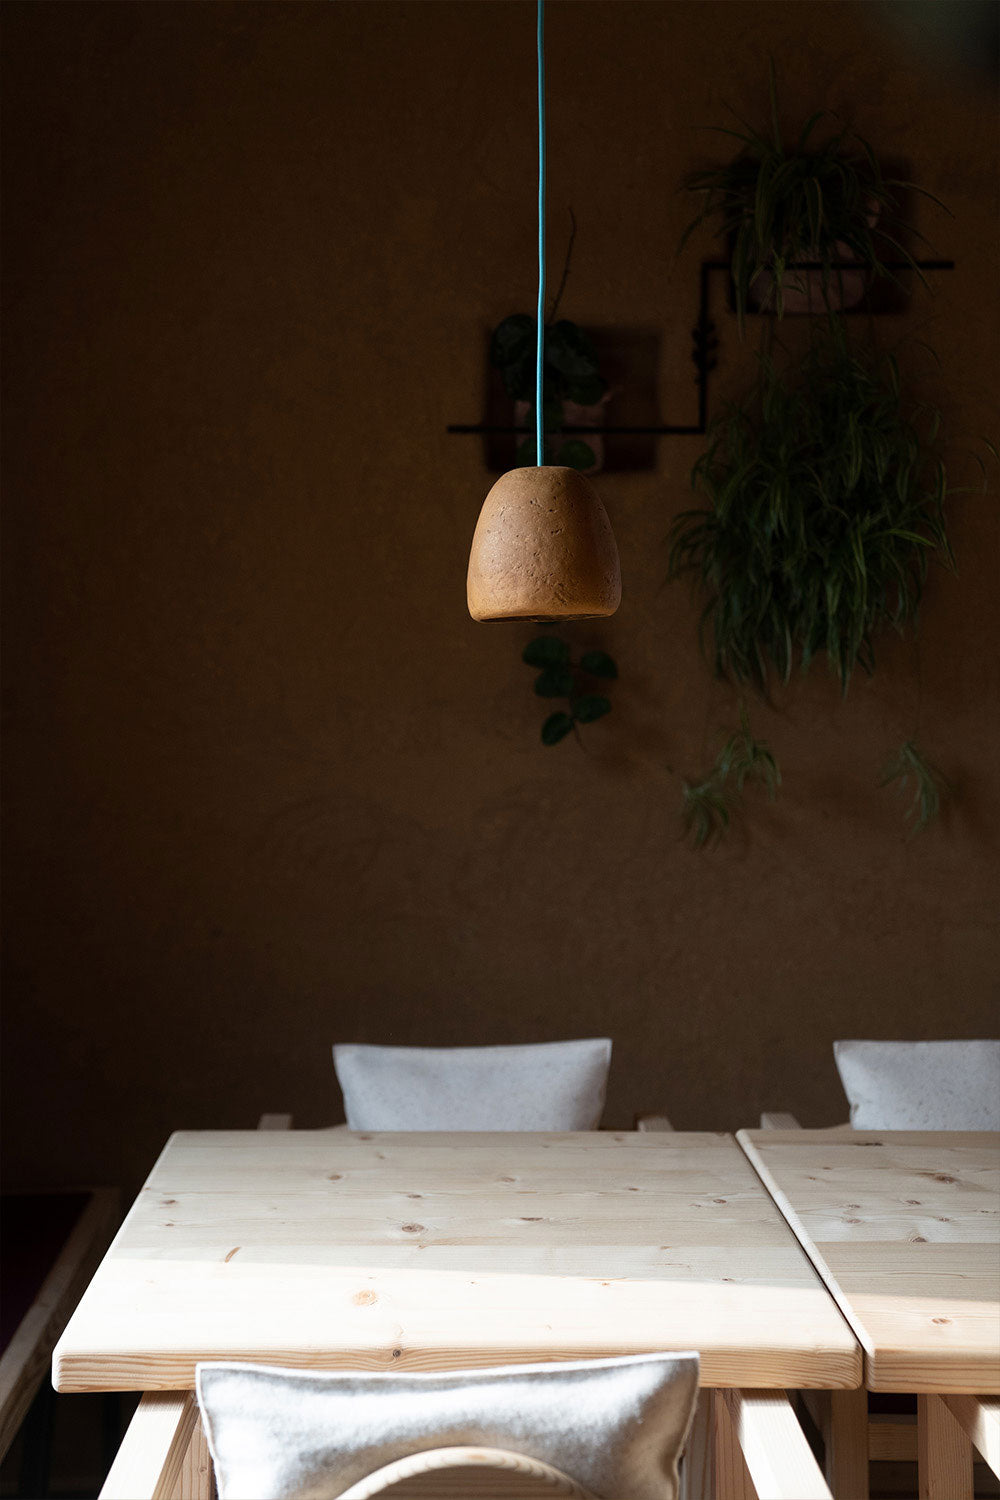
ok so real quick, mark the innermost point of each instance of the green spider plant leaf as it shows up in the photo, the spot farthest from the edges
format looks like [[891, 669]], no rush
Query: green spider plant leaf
[[704, 812], [913, 773]]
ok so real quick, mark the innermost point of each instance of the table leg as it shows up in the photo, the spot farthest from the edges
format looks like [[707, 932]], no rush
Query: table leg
[[732, 1477], [698, 1463], [847, 1445], [944, 1453], [196, 1481]]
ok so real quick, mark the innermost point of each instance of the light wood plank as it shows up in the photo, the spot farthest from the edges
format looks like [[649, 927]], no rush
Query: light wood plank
[[149, 1462], [652, 1122], [893, 1439], [944, 1453], [778, 1459], [698, 1463], [904, 1228], [732, 1477], [25, 1362], [274, 1122], [326, 1250], [195, 1482], [778, 1120], [979, 1418], [847, 1444]]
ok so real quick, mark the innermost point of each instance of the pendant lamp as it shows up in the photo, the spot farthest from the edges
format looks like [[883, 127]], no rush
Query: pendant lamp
[[543, 548]]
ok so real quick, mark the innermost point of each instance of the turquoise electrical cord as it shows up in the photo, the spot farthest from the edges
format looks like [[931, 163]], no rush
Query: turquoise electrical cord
[[540, 336]]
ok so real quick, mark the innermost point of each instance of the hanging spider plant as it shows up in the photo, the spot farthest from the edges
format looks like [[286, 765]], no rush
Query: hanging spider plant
[[780, 205], [910, 765], [825, 498], [707, 804]]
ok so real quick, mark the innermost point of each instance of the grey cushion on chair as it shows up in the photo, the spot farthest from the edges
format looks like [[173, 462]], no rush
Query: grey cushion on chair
[[616, 1426], [548, 1086], [953, 1085]]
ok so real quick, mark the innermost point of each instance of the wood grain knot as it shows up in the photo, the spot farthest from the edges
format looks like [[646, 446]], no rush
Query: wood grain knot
[[232, 1252], [397, 1353], [412, 1228], [940, 1320], [335, 1176], [364, 1299]]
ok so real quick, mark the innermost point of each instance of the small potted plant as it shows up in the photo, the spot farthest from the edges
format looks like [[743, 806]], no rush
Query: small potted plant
[[574, 391], [779, 205]]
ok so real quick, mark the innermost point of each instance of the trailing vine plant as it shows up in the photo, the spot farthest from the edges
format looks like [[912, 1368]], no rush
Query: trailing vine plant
[[561, 677]]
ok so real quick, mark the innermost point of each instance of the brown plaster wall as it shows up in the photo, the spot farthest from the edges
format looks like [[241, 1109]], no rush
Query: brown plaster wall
[[268, 786]]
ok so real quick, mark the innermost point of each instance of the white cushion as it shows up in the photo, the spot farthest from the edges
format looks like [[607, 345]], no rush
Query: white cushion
[[550, 1086], [616, 1426], [921, 1085]]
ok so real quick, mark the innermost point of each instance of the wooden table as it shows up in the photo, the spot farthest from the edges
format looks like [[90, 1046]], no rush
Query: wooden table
[[326, 1250], [904, 1228]]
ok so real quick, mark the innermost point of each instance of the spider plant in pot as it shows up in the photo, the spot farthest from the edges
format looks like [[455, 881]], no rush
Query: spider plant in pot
[[574, 392], [780, 204]]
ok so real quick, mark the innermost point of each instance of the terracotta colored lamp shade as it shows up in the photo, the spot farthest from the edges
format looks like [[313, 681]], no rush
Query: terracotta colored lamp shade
[[543, 550]]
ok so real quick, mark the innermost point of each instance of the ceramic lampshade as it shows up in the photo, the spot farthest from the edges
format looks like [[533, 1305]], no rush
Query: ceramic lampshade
[[543, 549]]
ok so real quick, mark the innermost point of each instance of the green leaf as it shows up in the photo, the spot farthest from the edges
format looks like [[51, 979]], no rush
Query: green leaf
[[586, 390], [556, 728], [575, 454], [909, 764], [546, 651], [599, 664], [704, 812], [554, 682], [589, 707]]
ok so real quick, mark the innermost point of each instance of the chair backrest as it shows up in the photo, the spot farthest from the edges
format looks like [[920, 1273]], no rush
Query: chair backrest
[[951, 1085], [613, 1427], [548, 1086], [468, 1474]]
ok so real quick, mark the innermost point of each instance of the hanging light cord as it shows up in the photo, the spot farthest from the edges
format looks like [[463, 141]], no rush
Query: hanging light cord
[[540, 334]]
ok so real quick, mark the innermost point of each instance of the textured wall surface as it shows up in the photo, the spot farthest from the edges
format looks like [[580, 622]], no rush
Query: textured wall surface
[[267, 784]]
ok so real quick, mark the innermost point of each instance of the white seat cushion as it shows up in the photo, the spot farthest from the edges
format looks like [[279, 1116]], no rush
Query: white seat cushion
[[616, 1426], [550, 1086], [921, 1085]]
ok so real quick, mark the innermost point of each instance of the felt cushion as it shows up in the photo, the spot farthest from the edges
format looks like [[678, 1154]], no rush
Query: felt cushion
[[550, 1086], [616, 1426], [952, 1085]]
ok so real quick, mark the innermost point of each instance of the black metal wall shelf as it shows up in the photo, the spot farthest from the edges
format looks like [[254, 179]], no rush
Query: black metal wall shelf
[[703, 356]]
